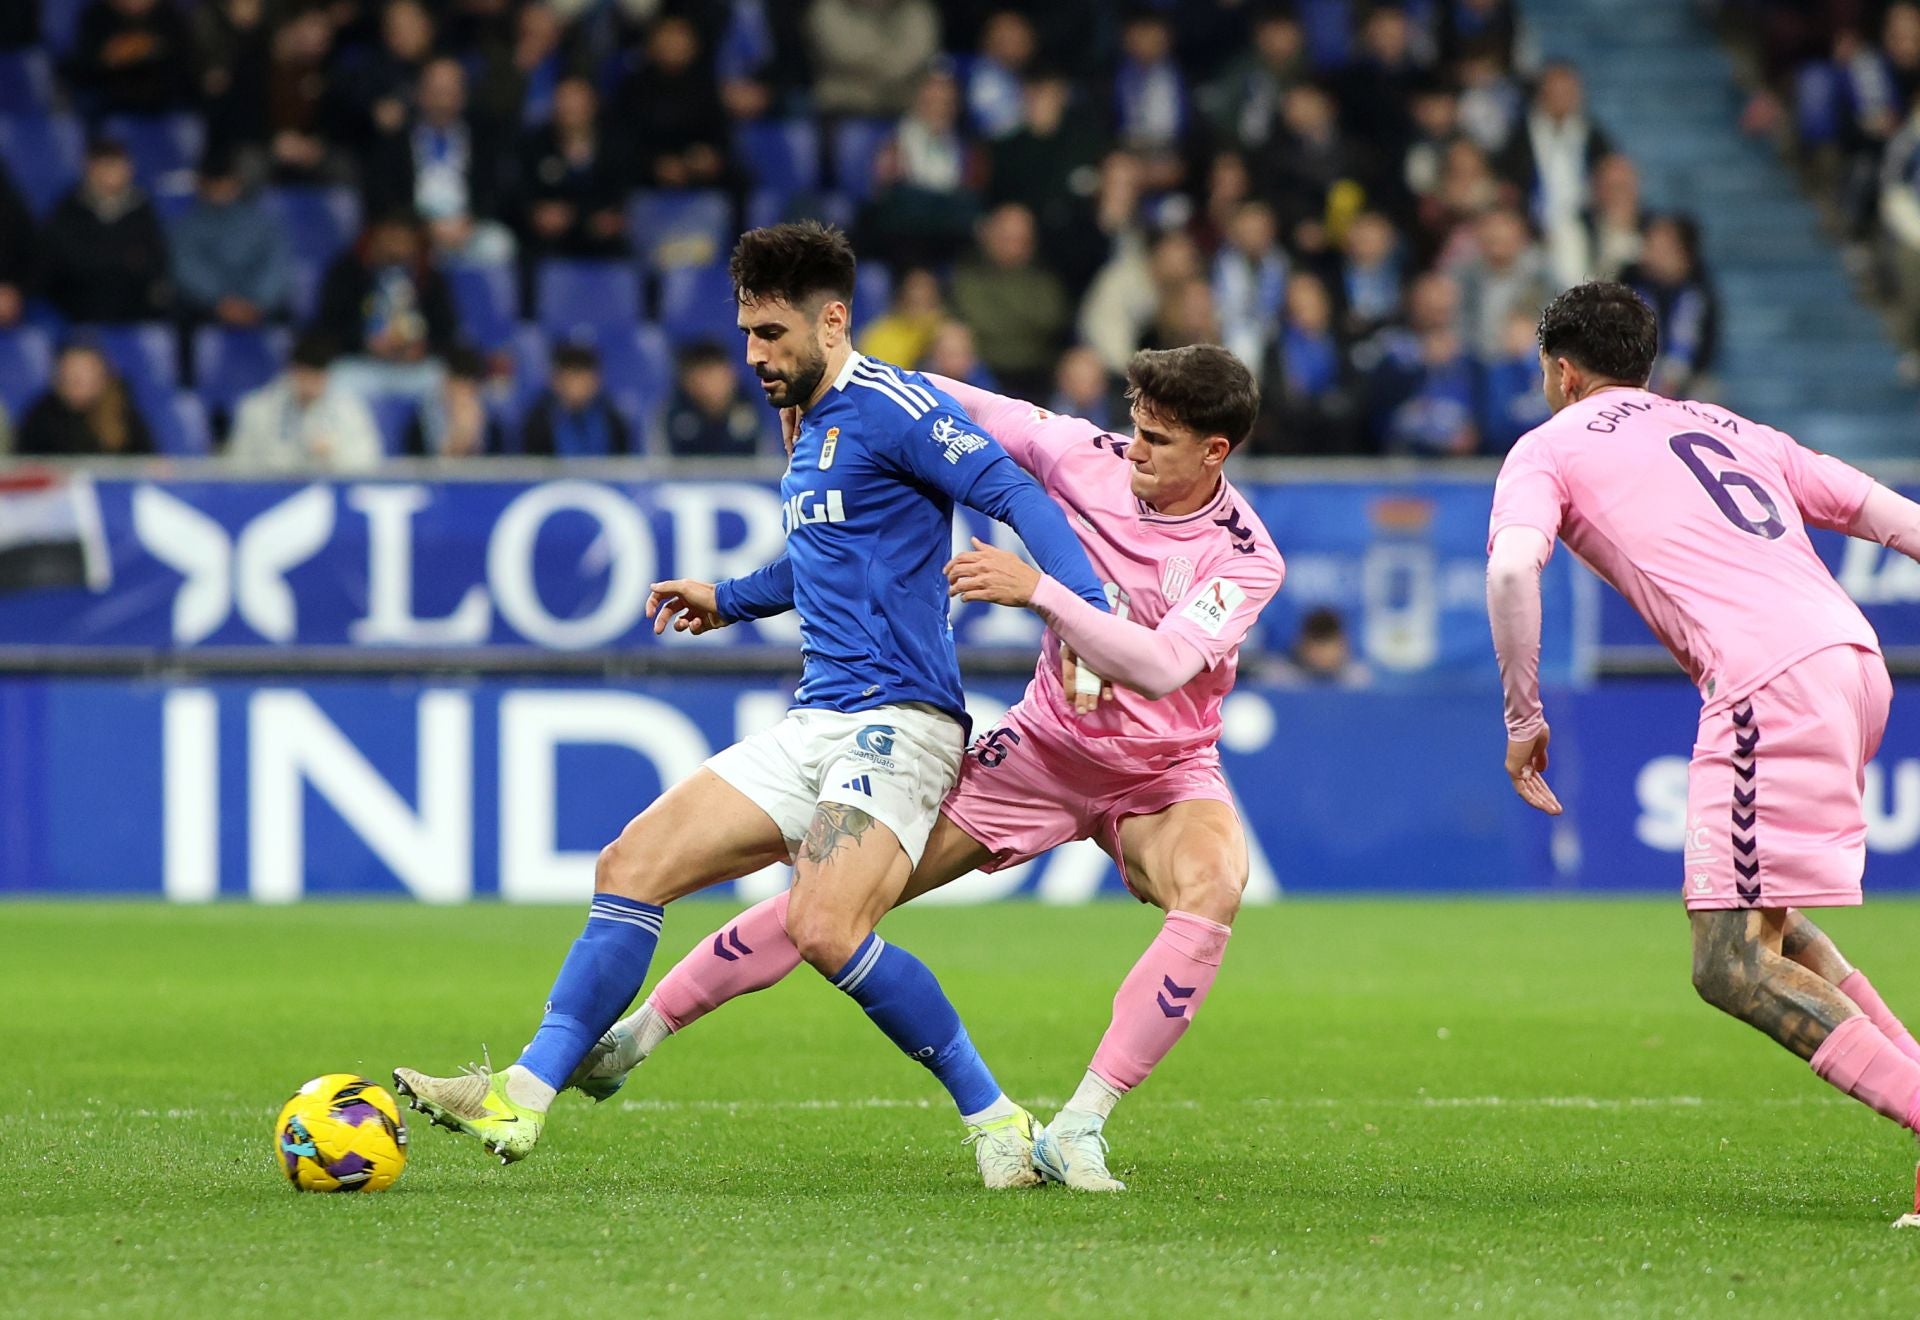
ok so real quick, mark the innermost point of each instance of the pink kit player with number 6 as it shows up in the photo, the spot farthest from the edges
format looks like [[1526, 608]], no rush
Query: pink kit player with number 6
[[1699, 518]]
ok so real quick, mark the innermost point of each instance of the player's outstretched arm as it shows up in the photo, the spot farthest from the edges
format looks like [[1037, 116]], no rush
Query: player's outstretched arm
[[1890, 518], [1006, 494], [1513, 607], [698, 607]]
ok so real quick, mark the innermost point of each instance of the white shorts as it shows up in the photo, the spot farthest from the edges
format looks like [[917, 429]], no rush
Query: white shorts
[[895, 763]]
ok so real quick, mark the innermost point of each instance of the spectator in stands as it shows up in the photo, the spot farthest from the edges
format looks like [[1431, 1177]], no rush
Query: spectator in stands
[[868, 55], [955, 355], [447, 166], [1311, 404], [1301, 166], [573, 182], [86, 412], [369, 102], [1613, 226], [928, 179], [1243, 103], [1050, 164], [1435, 113], [671, 105], [994, 85], [452, 420], [708, 416], [1082, 388], [1376, 89], [1127, 293], [1511, 400], [1322, 655], [903, 334], [232, 42], [18, 242], [132, 56], [1468, 189], [1371, 274], [1017, 309], [1900, 215], [517, 80], [1151, 103], [389, 309], [1505, 273], [1420, 384], [1555, 152], [103, 252], [302, 420], [1491, 104], [573, 418], [230, 260], [1229, 187], [299, 93], [1671, 278], [1186, 316], [1249, 281]]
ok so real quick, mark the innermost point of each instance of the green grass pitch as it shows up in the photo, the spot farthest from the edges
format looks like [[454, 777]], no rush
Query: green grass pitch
[[1386, 1109]]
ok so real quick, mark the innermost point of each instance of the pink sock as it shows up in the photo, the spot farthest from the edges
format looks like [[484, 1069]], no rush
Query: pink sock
[[1860, 990], [1159, 998], [1859, 1060], [749, 953]]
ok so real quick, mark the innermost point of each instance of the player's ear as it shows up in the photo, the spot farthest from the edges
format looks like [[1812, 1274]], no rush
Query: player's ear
[[834, 319]]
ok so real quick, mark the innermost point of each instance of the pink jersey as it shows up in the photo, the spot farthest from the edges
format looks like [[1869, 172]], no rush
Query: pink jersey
[[1698, 517], [1204, 576]]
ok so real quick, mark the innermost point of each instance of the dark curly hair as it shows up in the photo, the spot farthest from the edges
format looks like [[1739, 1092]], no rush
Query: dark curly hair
[[1604, 327], [1201, 386], [792, 263]]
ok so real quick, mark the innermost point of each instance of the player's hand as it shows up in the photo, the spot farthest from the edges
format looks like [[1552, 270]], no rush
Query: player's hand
[[1527, 766], [789, 427], [989, 573], [1084, 688], [690, 606]]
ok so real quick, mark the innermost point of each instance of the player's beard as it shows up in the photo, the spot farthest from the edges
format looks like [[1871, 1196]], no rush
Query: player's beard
[[797, 386]]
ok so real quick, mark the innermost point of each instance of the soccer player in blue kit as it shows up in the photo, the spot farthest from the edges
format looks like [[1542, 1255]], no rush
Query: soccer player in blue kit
[[849, 784]]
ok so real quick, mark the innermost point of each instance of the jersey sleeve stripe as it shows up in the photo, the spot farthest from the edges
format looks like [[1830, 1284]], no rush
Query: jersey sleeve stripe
[[883, 371], [912, 409]]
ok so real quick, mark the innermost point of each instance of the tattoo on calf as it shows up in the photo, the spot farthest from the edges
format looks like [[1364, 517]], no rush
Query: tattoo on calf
[[1736, 972], [834, 823]]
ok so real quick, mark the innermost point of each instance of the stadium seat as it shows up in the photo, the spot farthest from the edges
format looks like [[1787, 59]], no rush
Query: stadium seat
[[303, 294], [229, 362], [856, 142], [59, 22], [636, 360], [179, 424], [584, 295], [531, 360], [780, 155], [873, 290], [698, 305], [672, 229], [319, 221], [164, 148], [487, 300], [43, 154], [146, 356], [26, 83], [26, 364], [393, 414], [767, 207]]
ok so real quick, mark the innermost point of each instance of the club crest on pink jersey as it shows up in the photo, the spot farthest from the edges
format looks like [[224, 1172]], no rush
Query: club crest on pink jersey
[[1175, 577]]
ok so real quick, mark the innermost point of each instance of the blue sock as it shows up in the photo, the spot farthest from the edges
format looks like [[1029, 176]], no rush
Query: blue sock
[[603, 972], [905, 1000]]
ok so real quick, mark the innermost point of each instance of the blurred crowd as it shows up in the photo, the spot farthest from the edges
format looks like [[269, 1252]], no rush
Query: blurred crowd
[[1843, 77], [320, 232]]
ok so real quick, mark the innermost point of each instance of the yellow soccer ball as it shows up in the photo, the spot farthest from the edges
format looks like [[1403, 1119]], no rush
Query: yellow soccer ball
[[341, 1133]]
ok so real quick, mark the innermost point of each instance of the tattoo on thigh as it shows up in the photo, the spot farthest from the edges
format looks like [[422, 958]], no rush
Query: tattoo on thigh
[[1737, 973], [834, 823]]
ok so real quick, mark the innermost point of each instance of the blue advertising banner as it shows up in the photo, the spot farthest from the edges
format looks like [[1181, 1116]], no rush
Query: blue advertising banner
[[193, 567], [447, 791]]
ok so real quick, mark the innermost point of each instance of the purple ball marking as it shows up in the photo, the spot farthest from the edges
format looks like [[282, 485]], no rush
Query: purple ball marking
[[358, 1112]]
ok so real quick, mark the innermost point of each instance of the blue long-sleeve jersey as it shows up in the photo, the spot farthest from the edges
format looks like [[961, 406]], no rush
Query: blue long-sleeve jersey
[[877, 466]]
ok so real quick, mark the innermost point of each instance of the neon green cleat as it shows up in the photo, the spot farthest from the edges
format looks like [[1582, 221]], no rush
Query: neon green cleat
[[475, 1103], [1003, 1148]]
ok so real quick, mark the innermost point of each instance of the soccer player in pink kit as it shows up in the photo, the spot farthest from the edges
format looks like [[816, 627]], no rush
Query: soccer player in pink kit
[[1188, 568], [1698, 517]]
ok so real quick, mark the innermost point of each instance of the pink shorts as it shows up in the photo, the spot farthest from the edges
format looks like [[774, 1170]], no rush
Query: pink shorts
[[1774, 810], [1024, 789]]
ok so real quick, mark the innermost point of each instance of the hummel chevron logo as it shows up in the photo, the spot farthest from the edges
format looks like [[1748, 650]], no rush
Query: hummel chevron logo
[[1747, 742], [1743, 846], [1744, 796], [1748, 870], [1744, 716], [1745, 822], [726, 937], [1745, 772], [1751, 897], [860, 784], [1178, 992]]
